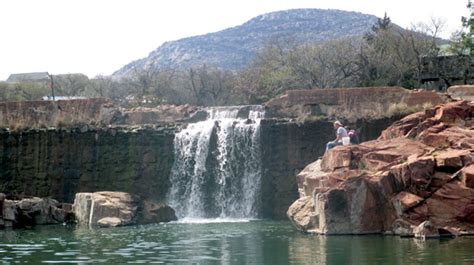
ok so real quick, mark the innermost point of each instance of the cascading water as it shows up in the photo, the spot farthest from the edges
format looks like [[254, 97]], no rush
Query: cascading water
[[217, 169]]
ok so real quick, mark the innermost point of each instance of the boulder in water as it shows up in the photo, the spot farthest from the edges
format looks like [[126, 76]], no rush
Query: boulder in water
[[153, 212], [112, 208], [426, 230], [32, 211], [109, 222]]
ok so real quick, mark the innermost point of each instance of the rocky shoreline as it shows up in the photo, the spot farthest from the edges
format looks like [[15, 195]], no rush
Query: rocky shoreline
[[27, 212], [416, 179], [104, 209]]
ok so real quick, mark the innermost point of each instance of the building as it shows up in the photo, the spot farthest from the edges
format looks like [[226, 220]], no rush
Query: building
[[39, 77], [441, 72]]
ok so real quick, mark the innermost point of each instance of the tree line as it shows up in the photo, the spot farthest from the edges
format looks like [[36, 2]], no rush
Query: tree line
[[385, 56]]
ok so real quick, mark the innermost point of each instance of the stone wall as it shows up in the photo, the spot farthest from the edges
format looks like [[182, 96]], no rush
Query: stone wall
[[60, 163]]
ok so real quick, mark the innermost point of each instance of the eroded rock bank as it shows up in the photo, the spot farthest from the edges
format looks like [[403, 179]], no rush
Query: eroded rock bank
[[104, 209], [33, 211], [420, 169]]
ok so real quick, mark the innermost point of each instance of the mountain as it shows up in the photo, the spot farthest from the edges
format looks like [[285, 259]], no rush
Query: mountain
[[234, 48]]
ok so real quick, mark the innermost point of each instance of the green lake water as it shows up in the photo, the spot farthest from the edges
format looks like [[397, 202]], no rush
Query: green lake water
[[246, 242]]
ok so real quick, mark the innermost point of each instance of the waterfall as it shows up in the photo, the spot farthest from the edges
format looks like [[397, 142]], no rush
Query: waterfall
[[217, 168]]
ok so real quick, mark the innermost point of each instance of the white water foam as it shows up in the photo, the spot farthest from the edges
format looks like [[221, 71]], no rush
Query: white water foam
[[217, 167], [188, 220]]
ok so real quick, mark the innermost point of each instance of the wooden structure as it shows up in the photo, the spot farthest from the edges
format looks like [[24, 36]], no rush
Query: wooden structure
[[442, 72]]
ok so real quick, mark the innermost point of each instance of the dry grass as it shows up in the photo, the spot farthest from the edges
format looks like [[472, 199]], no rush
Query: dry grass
[[375, 110], [403, 109]]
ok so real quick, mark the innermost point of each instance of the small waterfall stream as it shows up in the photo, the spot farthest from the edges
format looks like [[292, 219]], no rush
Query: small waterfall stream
[[217, 169]]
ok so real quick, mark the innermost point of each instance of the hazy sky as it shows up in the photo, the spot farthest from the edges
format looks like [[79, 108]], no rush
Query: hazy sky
[[100, 36]]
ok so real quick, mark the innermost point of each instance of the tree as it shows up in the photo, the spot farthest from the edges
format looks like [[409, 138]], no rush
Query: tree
[[393, 56], [468, 35], [71, 84], [382, 24], [210, 86], [327, 65], [270, 73], [148, 87]]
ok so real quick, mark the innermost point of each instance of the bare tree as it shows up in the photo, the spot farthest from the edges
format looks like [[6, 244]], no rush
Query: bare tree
[[393, 56], [71, 84], [327, 65]]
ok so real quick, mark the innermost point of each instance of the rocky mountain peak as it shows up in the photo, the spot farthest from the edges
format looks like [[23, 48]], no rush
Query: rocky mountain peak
[[235, 47]]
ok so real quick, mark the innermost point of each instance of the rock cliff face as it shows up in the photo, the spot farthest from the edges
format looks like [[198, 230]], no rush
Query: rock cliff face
[[420, 169], [60, 162]]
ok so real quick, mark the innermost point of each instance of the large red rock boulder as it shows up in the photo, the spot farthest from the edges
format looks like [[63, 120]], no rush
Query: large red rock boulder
[[420, 169]]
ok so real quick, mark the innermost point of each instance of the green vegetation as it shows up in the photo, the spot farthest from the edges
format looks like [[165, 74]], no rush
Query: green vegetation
[[467, 36], [22, 91], [362, 166], [461, 42]]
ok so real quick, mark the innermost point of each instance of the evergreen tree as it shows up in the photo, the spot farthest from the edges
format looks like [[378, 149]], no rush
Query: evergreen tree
[[467, 36], [382, 24]]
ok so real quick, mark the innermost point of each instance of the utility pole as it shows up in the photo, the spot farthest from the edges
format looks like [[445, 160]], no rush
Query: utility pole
[[52, 85]]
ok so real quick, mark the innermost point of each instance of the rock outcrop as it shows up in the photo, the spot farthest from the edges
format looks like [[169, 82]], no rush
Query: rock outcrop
[[119, 209], [462, 92], [420, 169], [288, 147], [33, 211]]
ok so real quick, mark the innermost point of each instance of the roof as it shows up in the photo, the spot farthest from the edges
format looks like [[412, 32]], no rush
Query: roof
[[38, 76]]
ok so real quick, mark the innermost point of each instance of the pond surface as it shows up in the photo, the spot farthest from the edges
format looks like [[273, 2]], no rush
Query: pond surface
[[218, 242]]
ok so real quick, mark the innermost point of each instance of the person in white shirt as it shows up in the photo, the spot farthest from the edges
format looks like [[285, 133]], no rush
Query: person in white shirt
[[340, 133]]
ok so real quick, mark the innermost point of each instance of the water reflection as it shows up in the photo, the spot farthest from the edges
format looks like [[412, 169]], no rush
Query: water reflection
[[311, 249], [254, 242]]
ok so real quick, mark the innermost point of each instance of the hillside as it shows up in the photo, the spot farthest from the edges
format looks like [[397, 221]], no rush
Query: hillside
[[235, 47]]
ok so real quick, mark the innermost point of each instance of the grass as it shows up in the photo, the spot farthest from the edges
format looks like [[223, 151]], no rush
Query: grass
[[376, 110]]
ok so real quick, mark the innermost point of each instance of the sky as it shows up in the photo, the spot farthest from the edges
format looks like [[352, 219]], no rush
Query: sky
[[98, 37]]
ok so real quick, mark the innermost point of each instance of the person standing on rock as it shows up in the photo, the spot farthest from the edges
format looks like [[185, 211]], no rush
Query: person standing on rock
[[341, 132]]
